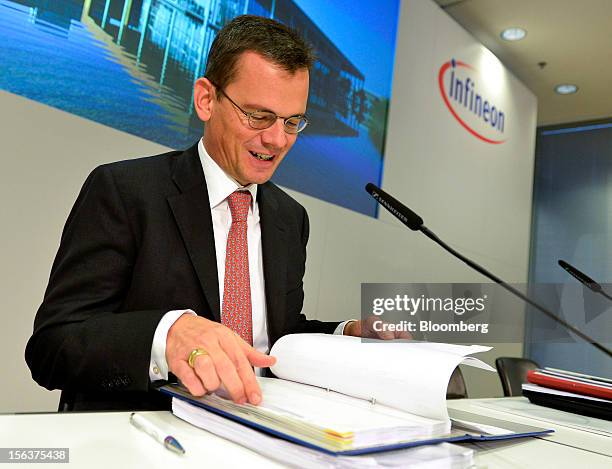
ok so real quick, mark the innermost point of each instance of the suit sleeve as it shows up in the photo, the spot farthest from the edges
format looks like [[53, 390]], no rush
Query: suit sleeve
[[295, 297], [83, 340]]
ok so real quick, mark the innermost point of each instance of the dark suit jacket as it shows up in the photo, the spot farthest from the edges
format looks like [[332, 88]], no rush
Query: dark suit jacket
[[137, 244]]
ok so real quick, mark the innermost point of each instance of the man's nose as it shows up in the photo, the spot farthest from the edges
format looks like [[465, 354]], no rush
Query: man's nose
[[275, 136]]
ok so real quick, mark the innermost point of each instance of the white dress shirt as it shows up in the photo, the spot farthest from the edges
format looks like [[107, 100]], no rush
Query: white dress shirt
[[220, 185]]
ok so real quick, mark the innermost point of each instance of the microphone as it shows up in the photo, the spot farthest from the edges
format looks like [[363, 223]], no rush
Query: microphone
[[583, 278], [415, 223], [403, 213]]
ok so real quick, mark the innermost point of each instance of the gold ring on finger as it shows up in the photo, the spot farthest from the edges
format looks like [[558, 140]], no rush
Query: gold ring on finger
[[196, 352]]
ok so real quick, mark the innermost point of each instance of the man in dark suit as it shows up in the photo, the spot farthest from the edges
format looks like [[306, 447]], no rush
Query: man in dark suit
[[157, 272]]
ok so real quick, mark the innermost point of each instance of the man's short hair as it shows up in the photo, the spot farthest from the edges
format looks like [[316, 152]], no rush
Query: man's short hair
[[276, 42]]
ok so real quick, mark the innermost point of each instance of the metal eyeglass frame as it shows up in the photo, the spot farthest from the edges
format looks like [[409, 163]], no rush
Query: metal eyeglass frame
[[249, 115]]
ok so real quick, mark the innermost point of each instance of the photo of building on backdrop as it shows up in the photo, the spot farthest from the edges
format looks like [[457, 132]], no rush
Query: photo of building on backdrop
[[131, 65]]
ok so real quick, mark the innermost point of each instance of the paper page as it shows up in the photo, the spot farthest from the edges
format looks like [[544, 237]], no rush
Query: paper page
[[485, 425], [523, 408], [479, 428], [476, 363], [410, 376], [332, 410]]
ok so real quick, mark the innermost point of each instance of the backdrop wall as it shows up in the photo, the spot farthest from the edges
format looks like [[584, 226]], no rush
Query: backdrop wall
[[474, 194], [573, 221]]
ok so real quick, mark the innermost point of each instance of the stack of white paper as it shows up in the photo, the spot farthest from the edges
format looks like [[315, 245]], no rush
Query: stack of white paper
[[326, 419], [442, 455]]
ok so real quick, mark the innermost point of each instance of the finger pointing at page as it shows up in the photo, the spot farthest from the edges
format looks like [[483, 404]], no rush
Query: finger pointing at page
[[228, 360]]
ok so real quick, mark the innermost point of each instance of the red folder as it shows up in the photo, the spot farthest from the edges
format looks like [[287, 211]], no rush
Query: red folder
[[569, 384]]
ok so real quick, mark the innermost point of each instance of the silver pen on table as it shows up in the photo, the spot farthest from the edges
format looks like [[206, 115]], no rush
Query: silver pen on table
[[159, 435]]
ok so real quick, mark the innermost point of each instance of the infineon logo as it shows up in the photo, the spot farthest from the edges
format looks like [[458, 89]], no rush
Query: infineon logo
[[474, 112]]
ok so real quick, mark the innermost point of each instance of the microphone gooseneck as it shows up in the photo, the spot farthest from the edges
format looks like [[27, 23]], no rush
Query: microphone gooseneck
[[415, 223]]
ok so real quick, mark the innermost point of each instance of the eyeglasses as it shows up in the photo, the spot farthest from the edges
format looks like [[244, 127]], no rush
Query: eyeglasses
[[261, 120]]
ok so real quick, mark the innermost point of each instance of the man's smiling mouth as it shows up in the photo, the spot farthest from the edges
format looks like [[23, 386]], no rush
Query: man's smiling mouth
[[261, 156]]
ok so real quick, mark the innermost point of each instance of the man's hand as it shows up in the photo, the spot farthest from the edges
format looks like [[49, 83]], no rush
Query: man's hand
[[229, 360], [365, 329]]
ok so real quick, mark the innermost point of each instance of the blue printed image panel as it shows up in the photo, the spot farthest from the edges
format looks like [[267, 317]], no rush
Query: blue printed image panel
[[132, 64]]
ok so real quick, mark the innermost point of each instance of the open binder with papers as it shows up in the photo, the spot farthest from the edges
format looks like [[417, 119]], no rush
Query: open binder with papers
[[342, 396]]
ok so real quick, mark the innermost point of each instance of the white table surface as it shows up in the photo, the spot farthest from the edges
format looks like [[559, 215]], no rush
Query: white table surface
[[107, 440], [565, 448]]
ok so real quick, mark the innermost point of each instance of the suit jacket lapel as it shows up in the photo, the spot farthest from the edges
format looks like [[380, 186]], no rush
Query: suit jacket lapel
[[274, 247], [191, 210]]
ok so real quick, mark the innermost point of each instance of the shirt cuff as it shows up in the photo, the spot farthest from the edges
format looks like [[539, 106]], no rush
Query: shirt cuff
[[158, 367], [340, 329]]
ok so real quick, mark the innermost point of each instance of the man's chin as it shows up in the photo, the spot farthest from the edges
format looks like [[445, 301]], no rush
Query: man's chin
[[259, 177], [254, 179]]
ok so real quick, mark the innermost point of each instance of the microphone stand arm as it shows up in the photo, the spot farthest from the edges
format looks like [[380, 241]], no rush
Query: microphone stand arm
[[431, 235], [606, 295]]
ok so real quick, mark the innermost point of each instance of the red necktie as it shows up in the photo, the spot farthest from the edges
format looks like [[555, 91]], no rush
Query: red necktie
[[236, 312]]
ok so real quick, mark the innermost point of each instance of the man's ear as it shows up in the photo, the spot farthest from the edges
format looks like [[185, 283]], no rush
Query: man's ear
[[204, 97]]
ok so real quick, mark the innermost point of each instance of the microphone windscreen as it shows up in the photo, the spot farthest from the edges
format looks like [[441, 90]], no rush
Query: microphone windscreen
[[580, 276], [395, 207]]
